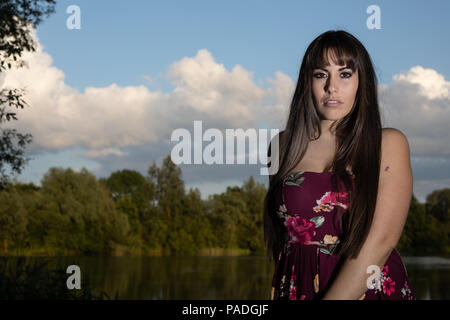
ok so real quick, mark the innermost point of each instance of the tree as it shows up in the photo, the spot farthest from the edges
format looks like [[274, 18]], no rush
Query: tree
[[130, 183], [196, 222], [254, 196], [438, 204], [126, 206], [169, 197], [230, 217], [17, 17], [85, 215], [422, 233], [12, 218]]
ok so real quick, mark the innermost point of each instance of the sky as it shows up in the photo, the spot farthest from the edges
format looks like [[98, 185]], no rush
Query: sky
[[108, 96]]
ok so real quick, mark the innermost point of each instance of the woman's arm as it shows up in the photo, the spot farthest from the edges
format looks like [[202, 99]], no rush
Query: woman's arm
[[393, 201]]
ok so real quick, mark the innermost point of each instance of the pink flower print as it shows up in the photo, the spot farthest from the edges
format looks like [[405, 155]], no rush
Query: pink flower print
[[406, 285], [293, 288], [385, 270], [388, 286], [302, 297], [330, 199], [300, 229], [406, 291], [293, 293]]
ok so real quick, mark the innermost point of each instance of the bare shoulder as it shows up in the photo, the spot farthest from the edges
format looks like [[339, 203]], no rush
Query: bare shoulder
[[393, 140], [395, 151], [393, 135]]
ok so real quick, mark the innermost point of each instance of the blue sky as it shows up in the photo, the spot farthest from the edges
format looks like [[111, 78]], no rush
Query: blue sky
[[129, 42]]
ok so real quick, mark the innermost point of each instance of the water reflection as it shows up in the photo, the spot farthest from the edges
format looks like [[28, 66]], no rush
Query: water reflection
[[430, 277], [238, 278]]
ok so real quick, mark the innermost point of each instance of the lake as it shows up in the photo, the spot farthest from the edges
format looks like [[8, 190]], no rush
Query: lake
[[215, 277]]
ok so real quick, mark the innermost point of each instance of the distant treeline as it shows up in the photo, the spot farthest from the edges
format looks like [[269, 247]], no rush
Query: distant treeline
[[74, 213]]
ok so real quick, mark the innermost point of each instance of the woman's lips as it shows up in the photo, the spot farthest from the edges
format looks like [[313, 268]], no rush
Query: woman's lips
[[331, 103]]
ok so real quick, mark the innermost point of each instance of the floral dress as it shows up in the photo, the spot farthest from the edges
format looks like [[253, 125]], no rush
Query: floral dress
[[310, 211]]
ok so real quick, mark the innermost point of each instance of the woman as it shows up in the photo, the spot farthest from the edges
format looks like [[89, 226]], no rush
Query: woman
[[336, 207]]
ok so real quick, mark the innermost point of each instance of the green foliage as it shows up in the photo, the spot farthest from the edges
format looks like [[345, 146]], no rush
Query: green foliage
[[75, 213], [254, 194], [438, 204], [423, 233], [132, 184], [170, 200], [196, 221], [12, 218], [238, 213]]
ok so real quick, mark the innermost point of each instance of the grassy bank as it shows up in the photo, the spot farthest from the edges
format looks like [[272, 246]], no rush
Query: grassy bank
[[121, 251]]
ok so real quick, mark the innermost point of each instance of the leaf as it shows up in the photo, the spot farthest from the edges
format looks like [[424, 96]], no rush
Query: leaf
[[298, 174], [332, 247], [324, 251], [296, 183], [318, 221]]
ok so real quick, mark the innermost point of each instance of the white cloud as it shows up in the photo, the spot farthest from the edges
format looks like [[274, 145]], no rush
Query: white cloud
[[281, 91], [207, 87], [103, 153], [2, 79], [418, 104], [432, 85], [117, 117]]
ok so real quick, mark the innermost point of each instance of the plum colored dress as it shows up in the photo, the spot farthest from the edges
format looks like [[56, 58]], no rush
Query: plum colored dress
[[310, 210]]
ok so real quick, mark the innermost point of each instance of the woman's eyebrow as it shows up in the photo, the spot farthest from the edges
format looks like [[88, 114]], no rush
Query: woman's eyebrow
[[346, 67]]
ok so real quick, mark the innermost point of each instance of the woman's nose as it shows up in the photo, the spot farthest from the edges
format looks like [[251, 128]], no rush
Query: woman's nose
[[331, 85]]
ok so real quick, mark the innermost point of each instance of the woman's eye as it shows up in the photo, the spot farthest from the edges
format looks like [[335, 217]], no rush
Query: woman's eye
[[316, 75]]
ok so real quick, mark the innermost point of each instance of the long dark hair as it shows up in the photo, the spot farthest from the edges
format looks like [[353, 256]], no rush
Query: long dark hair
[[358, 142]]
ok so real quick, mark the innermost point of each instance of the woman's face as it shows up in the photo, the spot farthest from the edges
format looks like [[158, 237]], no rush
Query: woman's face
[[336, 83]]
